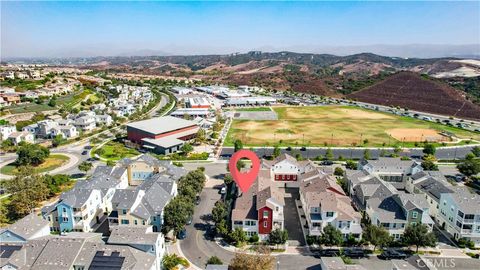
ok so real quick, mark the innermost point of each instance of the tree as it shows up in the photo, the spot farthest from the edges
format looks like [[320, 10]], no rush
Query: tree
[[214, 260], [201, 136], [331, 236], [417, 234], [238, 236], [428, 163], [85, 166], [476, 151], [219, 212], [259, 261], [228, 179], [52, 102], [237, 145], [31, 154], [276, 151], [377, 236], [187, 148], [366, 154], [338, 171], [28, 190], [329, 154], [351, 165], [176, 214], [170, 261], [8, 146], [278, 237], [57, 140], [469, 167], [429, 149]]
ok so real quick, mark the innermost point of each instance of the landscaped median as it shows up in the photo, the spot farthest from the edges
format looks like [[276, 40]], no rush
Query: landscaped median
[[52, 162]]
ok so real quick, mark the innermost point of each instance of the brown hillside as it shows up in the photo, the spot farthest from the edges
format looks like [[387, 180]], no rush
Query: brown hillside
[[409, 90]]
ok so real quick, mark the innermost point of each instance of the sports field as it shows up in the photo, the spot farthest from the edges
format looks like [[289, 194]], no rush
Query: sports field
[[339, 126]]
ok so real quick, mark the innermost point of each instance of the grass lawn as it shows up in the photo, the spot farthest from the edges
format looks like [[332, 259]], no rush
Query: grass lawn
[[254, 109], [69, 101], [115, 151], [338, 126], [52, 162]]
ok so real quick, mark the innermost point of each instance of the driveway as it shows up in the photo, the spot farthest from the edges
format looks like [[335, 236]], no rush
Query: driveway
[[292, 221]]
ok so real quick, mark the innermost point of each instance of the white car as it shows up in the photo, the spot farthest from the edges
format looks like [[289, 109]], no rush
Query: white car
[[223, 190]]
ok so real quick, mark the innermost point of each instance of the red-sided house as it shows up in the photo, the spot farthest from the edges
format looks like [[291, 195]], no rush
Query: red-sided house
[[260, 210]]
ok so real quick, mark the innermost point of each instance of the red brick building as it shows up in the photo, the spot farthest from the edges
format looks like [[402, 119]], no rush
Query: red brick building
[[163, 135]]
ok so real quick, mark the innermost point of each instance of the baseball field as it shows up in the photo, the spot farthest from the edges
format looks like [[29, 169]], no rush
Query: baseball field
[[341, 126]]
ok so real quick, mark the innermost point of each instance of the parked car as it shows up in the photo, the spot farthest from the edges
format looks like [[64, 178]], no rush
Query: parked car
[[328, 252], [327, 162], [182, 234], [303, 148], [84, 153], [190, 220], [390, 254], [223, 190], [354, 253]]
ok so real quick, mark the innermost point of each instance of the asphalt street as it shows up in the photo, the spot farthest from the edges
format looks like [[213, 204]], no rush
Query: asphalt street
[[444, 153]]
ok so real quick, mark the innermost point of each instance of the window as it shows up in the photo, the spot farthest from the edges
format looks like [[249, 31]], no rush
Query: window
[[265, 224], [238, 222], [469, 216], [154, 219], [65, 219], [143, 222], [414, 214], [265, 214], [459, 224], [460, 214], [64, 210], [135, 222], [277, 208], [329, 214], [124, 211], [125, 221]]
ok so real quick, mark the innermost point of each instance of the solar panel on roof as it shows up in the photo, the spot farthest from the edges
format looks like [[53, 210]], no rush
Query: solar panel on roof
[[102, 262]]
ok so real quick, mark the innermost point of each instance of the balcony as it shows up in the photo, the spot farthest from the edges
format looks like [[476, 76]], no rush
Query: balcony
[[315, 217]]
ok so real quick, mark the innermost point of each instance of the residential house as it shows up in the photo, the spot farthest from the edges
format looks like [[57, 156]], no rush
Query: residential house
[[29, 227], [324, 202], [77, 252], [21, 136], [431, 184], [88, 202], [45, 128], [32, 128], [85, 123], [141, 238], [66, 132], [393, 170], [6, 130], [104, 119], [11, 98], [459, 214]]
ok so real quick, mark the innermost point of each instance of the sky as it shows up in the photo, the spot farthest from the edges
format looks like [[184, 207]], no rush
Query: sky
[[63, 29]]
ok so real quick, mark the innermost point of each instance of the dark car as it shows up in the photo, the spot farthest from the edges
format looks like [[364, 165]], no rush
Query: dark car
[[355, 253], [303, 148], [198, 200], [88, 147], [84, 152], [328, 252], [390, 254], [327, 162], [182, 234]]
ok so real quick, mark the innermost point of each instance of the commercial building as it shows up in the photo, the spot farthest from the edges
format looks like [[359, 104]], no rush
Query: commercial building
[[198, 102], [163, 135]]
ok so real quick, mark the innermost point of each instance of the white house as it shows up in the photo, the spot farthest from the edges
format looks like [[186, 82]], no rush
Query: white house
[[6, 130], [22, 136]]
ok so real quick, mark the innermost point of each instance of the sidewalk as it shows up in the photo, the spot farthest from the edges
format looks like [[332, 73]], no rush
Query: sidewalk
[[289, 250], [174, 248]]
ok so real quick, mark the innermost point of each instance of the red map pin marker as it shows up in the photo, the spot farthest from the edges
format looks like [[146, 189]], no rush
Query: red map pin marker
[[244, 180]]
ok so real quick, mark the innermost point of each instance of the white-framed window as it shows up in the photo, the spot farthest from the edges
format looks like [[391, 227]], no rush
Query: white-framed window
[[414, 214], [265, 214]]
